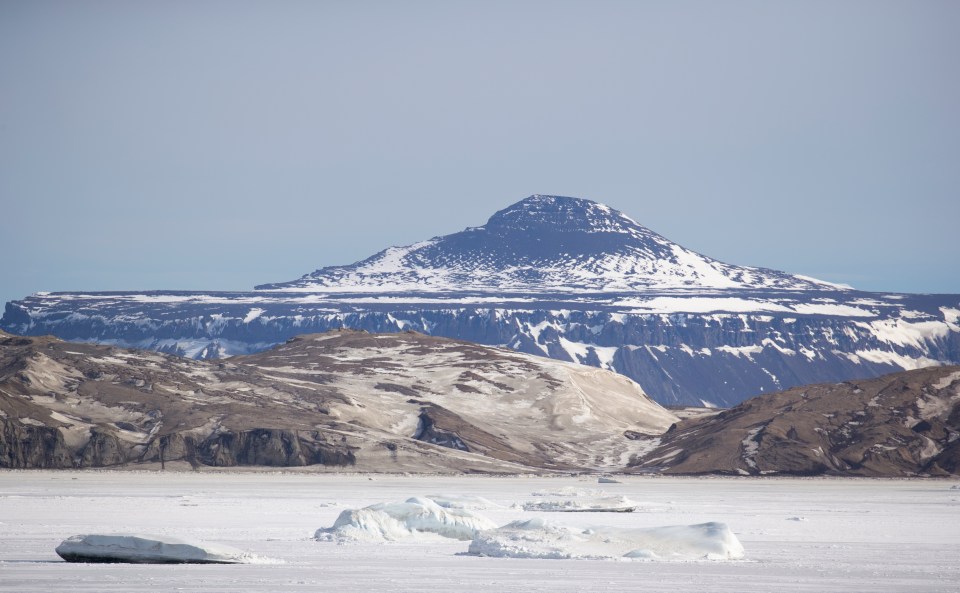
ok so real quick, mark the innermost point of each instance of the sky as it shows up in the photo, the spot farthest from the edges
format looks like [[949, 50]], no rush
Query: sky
[[217, 145]]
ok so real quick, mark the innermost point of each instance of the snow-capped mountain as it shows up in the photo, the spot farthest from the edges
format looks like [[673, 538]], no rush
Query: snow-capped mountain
[[558, 277], [544, 244]]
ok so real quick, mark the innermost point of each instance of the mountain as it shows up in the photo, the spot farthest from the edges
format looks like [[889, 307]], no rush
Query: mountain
[[544, 244], [559, 277], [364, 402], [903, 424]]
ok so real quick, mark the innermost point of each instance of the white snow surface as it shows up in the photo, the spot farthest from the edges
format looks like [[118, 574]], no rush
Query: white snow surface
[[540, 538], [463, 501], [398, 270], [253, 314], [712, 304], [147, 549], [859, 535], [571, 491], [583, 504]]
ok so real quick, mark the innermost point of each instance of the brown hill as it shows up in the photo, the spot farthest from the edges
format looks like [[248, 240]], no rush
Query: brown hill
[[903, 424], [367, 402]]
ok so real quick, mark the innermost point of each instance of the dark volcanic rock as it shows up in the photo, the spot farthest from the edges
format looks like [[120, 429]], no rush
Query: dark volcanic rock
[[271, 447], [32, 446]]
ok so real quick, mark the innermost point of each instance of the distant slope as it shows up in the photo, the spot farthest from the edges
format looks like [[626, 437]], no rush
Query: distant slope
[[903, 424], [398, 402]]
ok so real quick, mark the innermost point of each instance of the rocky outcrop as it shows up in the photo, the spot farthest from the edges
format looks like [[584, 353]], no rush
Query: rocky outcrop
[[40, 447], [903, 424], [269, 447]]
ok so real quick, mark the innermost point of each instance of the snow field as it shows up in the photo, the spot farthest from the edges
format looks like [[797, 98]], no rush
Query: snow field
[[857, 535], [584, 504]]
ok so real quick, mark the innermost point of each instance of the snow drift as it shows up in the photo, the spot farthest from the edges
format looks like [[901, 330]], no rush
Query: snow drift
[[610, 504], [571, 491], [463, 501], [538, 538]]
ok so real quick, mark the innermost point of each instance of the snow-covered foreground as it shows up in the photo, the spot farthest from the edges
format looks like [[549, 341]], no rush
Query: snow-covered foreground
[[797, 535]]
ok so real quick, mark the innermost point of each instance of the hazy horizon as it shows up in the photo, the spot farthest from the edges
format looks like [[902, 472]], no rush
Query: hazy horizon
[[220, 145]]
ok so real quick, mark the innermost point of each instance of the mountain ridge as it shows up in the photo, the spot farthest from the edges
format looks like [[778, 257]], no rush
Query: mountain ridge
[[580, 293], [354, 401]]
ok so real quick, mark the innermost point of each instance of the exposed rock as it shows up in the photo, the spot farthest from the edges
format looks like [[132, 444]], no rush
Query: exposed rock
[[903, 424], [339, 400], [102, 450], [32, 446]]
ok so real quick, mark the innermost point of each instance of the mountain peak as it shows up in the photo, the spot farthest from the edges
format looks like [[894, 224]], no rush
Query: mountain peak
[[544, 243], [560, 213]]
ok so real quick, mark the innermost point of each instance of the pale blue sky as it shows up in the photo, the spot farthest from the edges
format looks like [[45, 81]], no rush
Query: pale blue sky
[[218, 145]]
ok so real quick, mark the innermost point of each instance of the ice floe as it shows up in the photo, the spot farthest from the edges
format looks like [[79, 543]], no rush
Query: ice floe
[[539, 538], [571, 491], [463, 501], [150, 549], [610, 504], [414, 519]]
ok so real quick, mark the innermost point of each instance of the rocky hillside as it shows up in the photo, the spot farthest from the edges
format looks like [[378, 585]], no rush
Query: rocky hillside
[[349, 400], [354, 401], [903, 424]]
